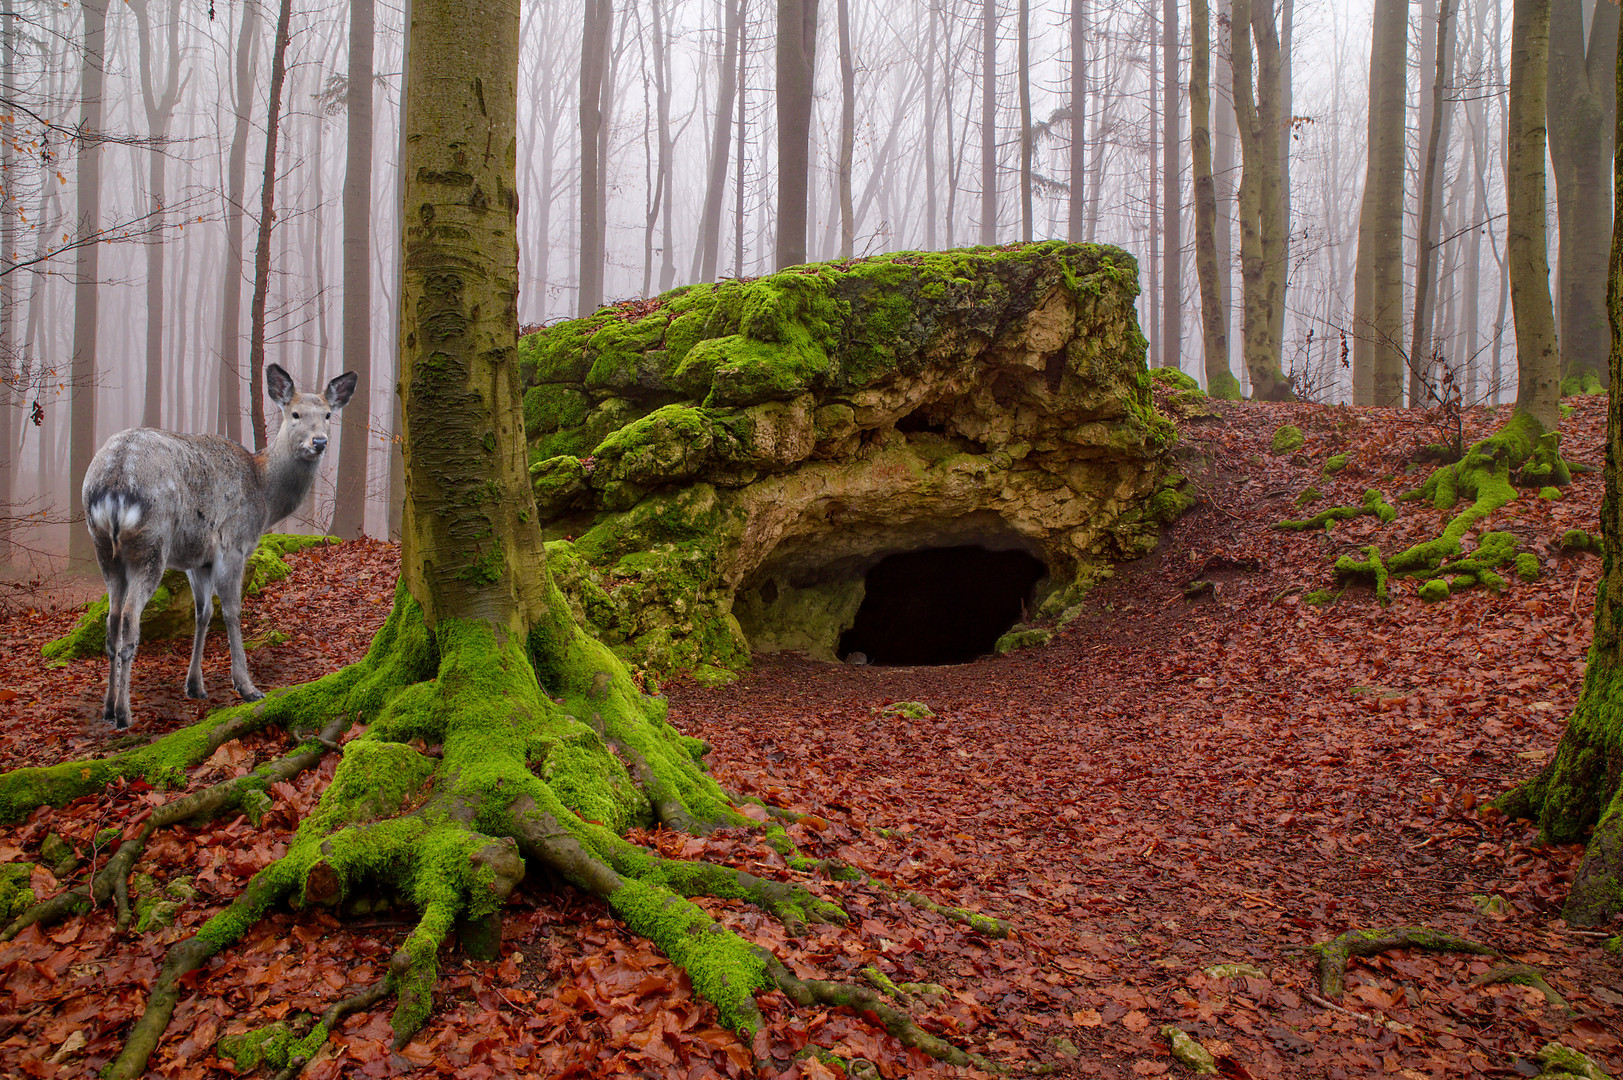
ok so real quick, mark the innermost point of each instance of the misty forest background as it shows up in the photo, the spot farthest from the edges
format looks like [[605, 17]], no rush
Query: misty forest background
[[193, 188]]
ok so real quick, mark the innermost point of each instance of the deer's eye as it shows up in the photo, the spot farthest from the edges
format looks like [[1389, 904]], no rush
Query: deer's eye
[[295, 416], [329, 416]]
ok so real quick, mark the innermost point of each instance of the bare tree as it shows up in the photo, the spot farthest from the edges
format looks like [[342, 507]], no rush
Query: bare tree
[[988, 121], [848, 126], [160, 100], [349, 496], [1378, 287], [267, 222], [1430, 211], [230, 398], [796, 64], [1220, 382], [1076, 205], [1172, 193], [1538, 362], [594, 89]]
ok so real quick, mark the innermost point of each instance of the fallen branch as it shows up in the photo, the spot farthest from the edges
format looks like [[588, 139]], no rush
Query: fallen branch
[[1333, 955]]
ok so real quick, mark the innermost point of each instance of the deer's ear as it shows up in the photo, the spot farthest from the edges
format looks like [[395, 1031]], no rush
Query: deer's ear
[[339, 390], [279, 384]]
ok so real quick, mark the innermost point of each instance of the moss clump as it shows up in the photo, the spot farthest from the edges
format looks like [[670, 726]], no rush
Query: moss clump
[[1322, 597], [1584, 382], [1550, 493], [1369, 567], [1287, 439], [16, 895], [1174, 379], [1434, 591], [1022, 639], [169, 612], [1335, 463], [907, 710], [275, 1045], [1527, 567], [1579, 540], [1558, 1060], [1225, 387], [1308, 497]]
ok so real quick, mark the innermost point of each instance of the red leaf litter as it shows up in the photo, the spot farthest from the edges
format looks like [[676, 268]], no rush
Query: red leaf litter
[[1173, 784]]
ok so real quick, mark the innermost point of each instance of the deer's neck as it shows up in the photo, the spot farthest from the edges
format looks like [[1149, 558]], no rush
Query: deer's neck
[[286, 480]]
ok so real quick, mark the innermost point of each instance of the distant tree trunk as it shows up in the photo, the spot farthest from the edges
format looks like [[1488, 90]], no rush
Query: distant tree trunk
[[1287, 129], [160, 107], [229, 421], [1261, 231], [594, 58], [848, 127], [1225, 141], [797, 66], [1220, 383], [1076, 202], [1152, 206], [1420, 373], [87, 271], [1378, 280], [349, 494], [739, 141], [12, 386], [663, 184], [1473, 256], [1538, 361], [704, 259], [1172, 194], [930, 209], [988, 121], [1581, 145], [267, 220], [1023, 65]]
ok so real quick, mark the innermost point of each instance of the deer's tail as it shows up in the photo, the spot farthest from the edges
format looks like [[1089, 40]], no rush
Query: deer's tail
[[115, 515]]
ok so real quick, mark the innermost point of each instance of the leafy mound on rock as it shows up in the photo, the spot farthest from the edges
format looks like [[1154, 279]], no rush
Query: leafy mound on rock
[[723, 464]]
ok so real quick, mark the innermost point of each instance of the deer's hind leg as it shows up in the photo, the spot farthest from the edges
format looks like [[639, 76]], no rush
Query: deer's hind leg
[[141, 579], [112, 573], [202, 580], [228, 581]]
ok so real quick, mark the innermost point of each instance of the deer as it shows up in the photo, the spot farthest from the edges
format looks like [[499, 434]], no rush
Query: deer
[[157, 500]]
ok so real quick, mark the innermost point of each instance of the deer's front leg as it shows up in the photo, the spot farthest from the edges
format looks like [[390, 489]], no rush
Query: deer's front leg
[[202, 580], [113, 574], [228, 580]]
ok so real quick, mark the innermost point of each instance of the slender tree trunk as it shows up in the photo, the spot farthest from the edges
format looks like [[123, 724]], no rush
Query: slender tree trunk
[[160, 107], [930, 106], [1076, 202], [663, 184], [1220, 383], [229, 421], [848, 126], [13, 387], [1581, 146], [1378, 280], [267, 221], [349, 495], [797, 68], [1420, 349], [593, 60], [1538, 361], [740, 144], [1172, 194], [1152, 295], [1024, 76], [988, 121], [1225, 142], [87, 271]]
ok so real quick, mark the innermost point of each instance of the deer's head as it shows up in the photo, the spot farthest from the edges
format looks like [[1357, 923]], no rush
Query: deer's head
[[306, 418]]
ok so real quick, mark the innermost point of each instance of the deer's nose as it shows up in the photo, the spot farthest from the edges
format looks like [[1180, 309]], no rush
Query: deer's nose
[[319, 442]]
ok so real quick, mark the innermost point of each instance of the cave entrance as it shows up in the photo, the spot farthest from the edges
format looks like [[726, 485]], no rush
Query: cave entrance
[[941, 605]]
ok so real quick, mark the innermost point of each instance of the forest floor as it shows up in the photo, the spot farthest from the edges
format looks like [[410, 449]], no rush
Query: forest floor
[[1171, 785]]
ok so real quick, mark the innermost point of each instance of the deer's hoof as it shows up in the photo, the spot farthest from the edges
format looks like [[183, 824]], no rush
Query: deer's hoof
[[120, 722], [249, 694], [195, 691]]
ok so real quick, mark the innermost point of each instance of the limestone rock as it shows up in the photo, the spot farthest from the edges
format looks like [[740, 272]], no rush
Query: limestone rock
[[718, 468]]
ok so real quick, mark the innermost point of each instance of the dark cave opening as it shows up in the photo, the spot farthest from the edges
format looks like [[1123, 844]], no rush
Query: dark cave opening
[[941, 605]]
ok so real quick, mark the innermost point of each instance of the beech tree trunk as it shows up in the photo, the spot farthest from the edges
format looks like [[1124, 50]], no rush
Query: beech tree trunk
[[848, 127], [1023, 74], [1421, 376], [1538, 361], [349, 494], [159, 101], [1378, 280], [1076, 203], [12, 385], [988, 121], [87, 272], [704, 259], [1220, 382], [1581, 134], [267, 221], [1171, 193], [1582, 786], [594, 59], [229, 421], [797, 67]]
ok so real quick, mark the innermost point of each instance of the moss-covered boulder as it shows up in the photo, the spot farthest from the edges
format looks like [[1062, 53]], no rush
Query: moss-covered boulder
[[718, 468], [169, 613]]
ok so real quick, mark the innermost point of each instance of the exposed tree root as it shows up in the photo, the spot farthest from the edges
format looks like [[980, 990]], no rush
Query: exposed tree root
[[1374, 504], [112, 880], [984, 925], [328, 1023], [1333, 955], [1524, 975]]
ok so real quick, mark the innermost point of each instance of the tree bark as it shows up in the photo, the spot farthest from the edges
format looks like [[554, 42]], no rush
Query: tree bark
[[267, 221], [930, 208], [1171, 193], [704, 260], [87, 269], [988, 121], [1538, 361], [796, 70], [1220, 382], [1023, 74], [349, 495], [1420, 367], [12, 384], [229, 421], [160, 108], [1581, 134], [1076, 203], [848, 126], [1378, 279], [594, 57]]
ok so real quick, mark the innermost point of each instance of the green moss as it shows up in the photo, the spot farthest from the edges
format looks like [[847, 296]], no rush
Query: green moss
[[725, 969], [1585, 381], [1559, 1060], [275, 1045], [1174, 379], [1434, 591], [1369, 567], [1289, 439], [1308, 497], [1335, 463], [1579, 540], [1527, 566], [1374, 504], [1549, 493], [1022, 639], [908, 710], [16, 895], [1322, 597]]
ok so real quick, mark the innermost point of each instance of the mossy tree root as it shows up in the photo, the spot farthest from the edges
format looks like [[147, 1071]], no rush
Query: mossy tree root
[[1524, 975], [984, 925], [1334, 954], [862, 1000], [111, 882], [330, 1020]]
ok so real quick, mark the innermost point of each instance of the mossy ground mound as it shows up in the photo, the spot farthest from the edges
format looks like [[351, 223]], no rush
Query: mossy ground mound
[[717, 468]]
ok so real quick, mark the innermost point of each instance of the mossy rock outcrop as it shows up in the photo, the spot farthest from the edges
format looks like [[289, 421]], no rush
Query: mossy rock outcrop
[[719, 467]]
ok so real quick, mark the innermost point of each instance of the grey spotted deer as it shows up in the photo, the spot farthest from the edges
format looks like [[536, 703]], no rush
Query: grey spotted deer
[[156, 500]]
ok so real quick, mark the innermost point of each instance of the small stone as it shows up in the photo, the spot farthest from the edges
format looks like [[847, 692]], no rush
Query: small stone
[[856, 659], [1189, 1051], [1234, 971]]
